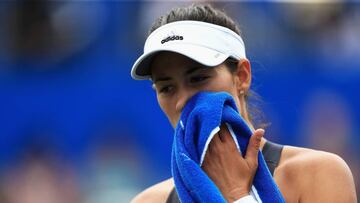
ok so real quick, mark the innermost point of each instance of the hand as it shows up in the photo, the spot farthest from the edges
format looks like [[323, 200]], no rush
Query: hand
[[225, 166]]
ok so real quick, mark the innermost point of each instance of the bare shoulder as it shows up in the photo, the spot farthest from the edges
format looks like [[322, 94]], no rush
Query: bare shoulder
[[295, 157], [157, 193], [312, 163], [318, 176]]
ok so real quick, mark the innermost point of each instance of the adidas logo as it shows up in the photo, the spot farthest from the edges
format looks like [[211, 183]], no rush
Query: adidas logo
[[171, 38]]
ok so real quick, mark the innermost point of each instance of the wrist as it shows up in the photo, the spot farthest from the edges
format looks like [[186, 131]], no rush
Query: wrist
[[246, 199], [237, 194]]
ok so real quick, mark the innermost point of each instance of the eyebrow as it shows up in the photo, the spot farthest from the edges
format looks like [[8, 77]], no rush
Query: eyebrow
[[194, 69], [161, 79], [188, 72]]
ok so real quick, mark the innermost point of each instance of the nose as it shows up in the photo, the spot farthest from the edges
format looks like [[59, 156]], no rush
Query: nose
[[184, 94]]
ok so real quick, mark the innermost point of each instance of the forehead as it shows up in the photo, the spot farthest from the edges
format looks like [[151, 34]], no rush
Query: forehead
[[168, 62]]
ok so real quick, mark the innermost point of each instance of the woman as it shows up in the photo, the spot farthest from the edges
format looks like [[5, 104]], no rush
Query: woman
[[199, 48]]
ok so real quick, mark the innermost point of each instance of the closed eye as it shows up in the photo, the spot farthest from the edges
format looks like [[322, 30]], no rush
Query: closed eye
[[196, 79], [166, 89]]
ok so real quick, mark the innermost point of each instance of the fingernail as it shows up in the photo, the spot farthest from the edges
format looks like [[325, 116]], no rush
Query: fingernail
[[262, 131]]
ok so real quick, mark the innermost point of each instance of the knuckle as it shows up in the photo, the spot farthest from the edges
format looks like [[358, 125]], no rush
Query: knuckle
[[257, 146], [253, 165], [210, 149], [219, 149], [214, 149], [213, 143]]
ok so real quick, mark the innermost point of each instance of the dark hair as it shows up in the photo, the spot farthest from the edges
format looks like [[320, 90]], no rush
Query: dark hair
[[197, 12], [207, 13]]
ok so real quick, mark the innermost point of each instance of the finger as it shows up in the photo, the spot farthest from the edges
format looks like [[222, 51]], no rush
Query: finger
[[225, 134], [253, 147], [227, 138], [215, 141], [216, 138]]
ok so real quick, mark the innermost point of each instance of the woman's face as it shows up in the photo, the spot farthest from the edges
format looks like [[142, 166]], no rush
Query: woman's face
[[177, 78]]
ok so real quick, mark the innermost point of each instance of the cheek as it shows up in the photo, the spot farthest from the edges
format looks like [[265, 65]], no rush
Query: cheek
[[163, 104], [226, 84], [168, 109], [223, 83]]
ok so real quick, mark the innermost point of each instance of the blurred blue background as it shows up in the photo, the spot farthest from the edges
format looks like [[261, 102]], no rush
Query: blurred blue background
[[74, 126]]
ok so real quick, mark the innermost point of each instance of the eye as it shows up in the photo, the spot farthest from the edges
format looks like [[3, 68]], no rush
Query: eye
[[198, 78], [166, 89]]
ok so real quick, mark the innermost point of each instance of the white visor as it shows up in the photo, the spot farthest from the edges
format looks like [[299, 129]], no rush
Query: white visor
[[206, 43]]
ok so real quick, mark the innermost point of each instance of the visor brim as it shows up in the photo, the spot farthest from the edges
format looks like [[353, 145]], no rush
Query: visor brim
[[203, 55]]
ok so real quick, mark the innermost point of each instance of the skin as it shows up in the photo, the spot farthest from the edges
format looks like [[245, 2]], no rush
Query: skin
[[303, 175]]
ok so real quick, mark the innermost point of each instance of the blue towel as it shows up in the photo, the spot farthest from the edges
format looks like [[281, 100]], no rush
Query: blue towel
[[200, 119]]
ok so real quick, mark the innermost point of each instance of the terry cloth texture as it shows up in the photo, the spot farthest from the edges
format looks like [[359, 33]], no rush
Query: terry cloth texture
[[200, 120], [271, 152]]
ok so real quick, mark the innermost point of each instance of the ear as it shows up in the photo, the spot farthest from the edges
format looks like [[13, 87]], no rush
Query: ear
[[243, 75]]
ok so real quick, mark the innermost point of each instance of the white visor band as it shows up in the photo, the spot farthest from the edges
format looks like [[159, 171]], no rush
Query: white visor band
[[206, 43]]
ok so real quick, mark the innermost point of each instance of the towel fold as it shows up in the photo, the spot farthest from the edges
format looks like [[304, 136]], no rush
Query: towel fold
[[200, 120]]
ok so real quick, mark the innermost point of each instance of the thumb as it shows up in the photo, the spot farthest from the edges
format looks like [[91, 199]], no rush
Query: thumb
[[253, 148]]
